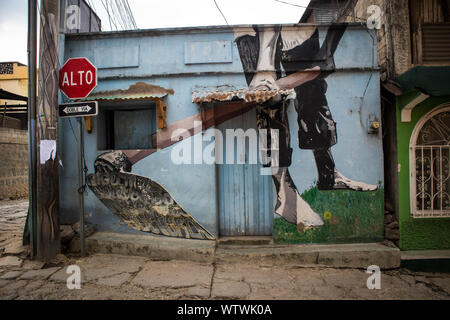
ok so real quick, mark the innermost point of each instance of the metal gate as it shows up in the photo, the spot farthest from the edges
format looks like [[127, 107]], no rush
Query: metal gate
[[246, 197]]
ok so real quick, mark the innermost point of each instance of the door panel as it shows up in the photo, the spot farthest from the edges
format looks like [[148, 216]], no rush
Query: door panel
[[246, 198]]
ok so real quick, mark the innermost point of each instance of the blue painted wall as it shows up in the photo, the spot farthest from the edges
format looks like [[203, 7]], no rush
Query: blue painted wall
[[158, 57]]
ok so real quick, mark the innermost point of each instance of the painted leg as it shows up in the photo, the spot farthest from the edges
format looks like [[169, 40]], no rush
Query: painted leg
[[329, 178], [290, 204], [325, 56], [325, 169], [343, 183]]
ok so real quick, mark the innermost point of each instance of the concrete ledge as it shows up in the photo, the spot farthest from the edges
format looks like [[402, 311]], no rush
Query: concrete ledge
[[425, 254], [153, 246], [165, 248], [334, 255], [248, 240], [426, 260]]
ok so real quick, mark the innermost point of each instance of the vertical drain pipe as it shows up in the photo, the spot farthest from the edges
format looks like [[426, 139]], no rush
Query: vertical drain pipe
[[81, 183]]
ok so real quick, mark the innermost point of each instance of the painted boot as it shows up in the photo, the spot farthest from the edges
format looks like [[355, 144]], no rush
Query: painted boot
[[343, 183], [331, 179], [290, 204]]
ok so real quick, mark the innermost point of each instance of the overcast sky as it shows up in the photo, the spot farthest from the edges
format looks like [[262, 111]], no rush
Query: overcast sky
[[154, 14]]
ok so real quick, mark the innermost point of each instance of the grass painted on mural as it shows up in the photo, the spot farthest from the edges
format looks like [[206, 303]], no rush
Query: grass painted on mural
[[348, 216]]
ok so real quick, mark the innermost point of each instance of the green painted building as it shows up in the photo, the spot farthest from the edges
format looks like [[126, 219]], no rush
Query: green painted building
[[423, 146]]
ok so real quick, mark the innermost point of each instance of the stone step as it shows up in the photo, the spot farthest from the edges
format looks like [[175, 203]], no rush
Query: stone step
[[359, 255], [153, 246], [246, 240]]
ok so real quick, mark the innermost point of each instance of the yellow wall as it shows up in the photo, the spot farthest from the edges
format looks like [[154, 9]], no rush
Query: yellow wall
[[16, 83]]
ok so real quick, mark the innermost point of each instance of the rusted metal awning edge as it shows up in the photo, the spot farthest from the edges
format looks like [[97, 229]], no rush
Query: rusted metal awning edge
[[137, 91], [245, 95], [124, 97]]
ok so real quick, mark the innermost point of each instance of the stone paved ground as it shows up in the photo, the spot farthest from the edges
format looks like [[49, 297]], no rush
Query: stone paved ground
[[126, 277]]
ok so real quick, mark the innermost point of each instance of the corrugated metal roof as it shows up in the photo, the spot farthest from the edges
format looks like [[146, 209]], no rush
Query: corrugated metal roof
[[258, 96], [137, 91], [125, 97]]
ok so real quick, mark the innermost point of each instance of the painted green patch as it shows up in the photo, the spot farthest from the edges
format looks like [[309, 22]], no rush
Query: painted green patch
[[349, 216], [426, 234]]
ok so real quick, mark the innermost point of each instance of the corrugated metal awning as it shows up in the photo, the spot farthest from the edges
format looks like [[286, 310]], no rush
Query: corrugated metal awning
[[245, 95], [124, 97], [137, 91]]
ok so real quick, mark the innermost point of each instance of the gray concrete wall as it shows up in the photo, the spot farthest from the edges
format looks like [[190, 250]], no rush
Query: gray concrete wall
[[13, 163]]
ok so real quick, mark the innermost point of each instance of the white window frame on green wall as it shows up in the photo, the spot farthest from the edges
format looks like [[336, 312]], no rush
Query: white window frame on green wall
[[430, 181]]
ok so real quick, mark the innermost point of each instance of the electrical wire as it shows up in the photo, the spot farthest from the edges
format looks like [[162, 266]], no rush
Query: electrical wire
[[296, 5], [120, 15], [111, 22], [221, 12], [314, 8]]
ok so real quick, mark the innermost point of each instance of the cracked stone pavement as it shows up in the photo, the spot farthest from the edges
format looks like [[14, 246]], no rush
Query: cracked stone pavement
[[128, 277]]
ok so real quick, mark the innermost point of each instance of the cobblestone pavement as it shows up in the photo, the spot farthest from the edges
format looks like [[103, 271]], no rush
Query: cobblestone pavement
[[127, 277]]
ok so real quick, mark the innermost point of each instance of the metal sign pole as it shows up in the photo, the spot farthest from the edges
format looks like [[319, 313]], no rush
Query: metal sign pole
[[32, 146], [81, 182]]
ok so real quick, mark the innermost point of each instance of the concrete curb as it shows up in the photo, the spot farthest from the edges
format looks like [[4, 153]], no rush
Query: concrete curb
[[156, 247], [359, 255], [426, 260], [329, 255]]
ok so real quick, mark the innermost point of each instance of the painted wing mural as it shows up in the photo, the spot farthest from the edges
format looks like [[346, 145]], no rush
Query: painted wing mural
[[140, 202]]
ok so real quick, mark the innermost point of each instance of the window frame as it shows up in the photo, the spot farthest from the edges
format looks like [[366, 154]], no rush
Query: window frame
[[122, 105], [412, 164]]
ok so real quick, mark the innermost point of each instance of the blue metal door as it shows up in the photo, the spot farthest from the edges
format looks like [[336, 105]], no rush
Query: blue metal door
[[246, 198]]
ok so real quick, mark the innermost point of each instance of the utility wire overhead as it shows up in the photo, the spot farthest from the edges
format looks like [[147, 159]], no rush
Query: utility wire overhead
[[221, 12], [120, 16], [315, 8]]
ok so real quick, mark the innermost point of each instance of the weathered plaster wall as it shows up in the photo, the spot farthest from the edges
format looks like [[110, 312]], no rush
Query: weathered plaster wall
[[393, 38], [416, 234]]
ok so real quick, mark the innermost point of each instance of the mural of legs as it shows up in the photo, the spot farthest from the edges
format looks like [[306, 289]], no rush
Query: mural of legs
[[317, 131], [329, 178], [140, 202], [290, 204], [264, 56]]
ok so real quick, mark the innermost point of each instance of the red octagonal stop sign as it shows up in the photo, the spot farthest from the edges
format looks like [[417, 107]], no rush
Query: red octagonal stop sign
[[77, 78]]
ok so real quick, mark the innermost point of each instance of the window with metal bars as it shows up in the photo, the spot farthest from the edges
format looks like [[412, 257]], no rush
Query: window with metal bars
[[430, 165]]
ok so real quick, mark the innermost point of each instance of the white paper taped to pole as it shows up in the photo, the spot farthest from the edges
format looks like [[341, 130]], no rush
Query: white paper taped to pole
[[47, 150]]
